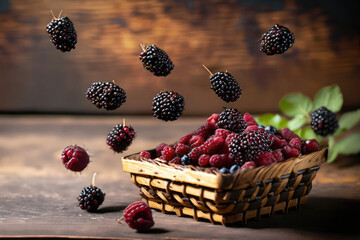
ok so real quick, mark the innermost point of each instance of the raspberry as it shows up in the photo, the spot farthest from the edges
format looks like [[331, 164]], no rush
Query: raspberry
[[289, 152], [249, 164], [106, 95], [181, 149], [75, 158], [167, 153], [185, 139], [168, 105], [120, 137], [249, 119], [206, 130], [195, 153], [232, 120], [159, 148], [196, 141], [225, 86], [145, 154], [217, 160], [264, 158], [251, 128], [312, 145], [204, 160], [287, 134], [62, 33], [175, 160], [213, 118], [323, 122], [156, 61], [213, 144], [138, 216], [277, 142], [276, 40], [278, 155], [229, 138], [185, 160], [295, 143], [222, 133]]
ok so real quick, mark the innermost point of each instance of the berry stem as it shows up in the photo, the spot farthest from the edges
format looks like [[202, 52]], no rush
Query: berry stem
[[93, 180], [60, 13], [123, 122], [142, 47], [208, 70], [54, 18]]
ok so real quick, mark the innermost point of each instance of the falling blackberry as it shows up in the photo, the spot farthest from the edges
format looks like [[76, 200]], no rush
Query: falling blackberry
[[225, 86], [168, 105], [232, 120], [246, 146], [106, 95], [62, 33], [120, 137], [156, 61], [91, 197], [276, 40], [323, 122]]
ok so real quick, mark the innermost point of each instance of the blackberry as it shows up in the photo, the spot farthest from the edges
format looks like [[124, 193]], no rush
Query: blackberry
[[168, 105], [323, 122], [120, 137], [225, 86], [91, 197], [106, 95], [156, 61], [62, 33], [246, 146], [232, 120], [276, 40]]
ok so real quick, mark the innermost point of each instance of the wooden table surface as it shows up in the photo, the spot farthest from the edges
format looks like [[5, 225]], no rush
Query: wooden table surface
[[38, 195]]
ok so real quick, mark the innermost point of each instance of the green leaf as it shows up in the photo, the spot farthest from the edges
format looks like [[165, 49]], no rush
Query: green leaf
[[348, 145], [329, 97], [295, 104], [272, 119], [297, 122], [264, 119], [347, 121], [332, 151]]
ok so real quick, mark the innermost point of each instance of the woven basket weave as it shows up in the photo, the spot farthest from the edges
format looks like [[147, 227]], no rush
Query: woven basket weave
[[205, 193]]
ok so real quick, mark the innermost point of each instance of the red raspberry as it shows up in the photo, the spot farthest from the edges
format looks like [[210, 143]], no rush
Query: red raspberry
[[250, 164], [175, 160], [251, 127], [145, 154], [185, 139], [196, 141], [159, 148], [213, 118], [138, 216], [212, 144], [228, 160], [229, 138], [249, 119], [287, 134], [312, 145], [75, 158], [204, 160], [220, 132], [217, 160], [295, 143], [181, 149], [206, 130], [278, 155], [195, 153], [289, 152], [264, 158], [277, 142], [168, 153]]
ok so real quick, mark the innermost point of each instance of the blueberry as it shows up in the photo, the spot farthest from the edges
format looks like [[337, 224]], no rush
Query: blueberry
[[260, 126], [234, 168], [185, 160], [271, 130], [224, 170]]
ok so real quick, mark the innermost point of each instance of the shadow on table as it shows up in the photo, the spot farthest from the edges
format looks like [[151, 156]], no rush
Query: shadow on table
[[108, 209], [333, 216]]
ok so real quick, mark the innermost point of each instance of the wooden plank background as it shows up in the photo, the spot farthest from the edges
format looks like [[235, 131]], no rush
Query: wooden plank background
[[223, 35]]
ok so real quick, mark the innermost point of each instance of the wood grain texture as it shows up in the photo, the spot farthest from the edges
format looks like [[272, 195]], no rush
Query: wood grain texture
[[223, 35]]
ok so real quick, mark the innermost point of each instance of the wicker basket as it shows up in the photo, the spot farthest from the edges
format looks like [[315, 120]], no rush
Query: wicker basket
[[205, 193]]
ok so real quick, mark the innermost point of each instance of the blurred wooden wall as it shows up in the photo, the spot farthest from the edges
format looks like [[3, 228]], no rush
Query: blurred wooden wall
[[223, 35]]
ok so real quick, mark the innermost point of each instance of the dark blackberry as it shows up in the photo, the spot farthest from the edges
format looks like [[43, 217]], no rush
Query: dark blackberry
[[91, 197], [62, 33], [225, 86], [120, 137], [106, 95], [232, 120], [247, 145], [323, 122], [276, 40], [168, 105], [156, 61], [185, 160]]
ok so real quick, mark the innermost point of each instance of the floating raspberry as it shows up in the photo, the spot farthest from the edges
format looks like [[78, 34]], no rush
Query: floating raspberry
[[138, 216], [120, 137], [196, 141], [62, 33], [145, 154], [289, 152], [168, 153], [168, 105], [249, 119], [232, 120], [276, 40], [181, 149], [264, 158], [204, 160], [287, 134], [106, 95], [156, 61], [75, 158], [323, 122]]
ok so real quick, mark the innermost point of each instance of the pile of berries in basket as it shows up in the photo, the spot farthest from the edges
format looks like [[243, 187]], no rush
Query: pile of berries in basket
[[230, 141]]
